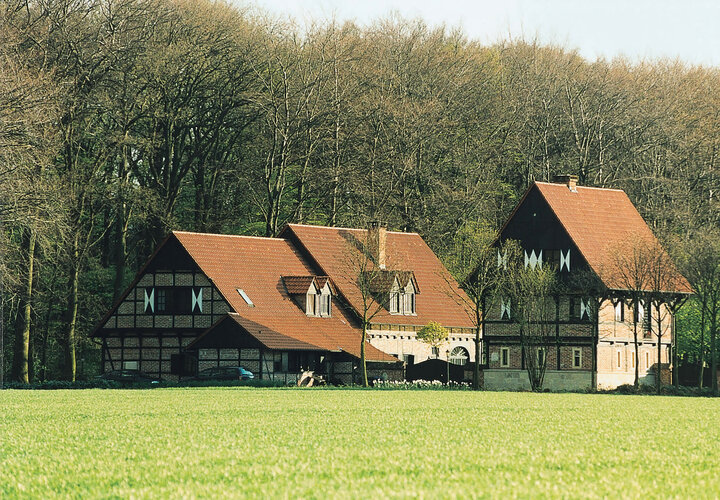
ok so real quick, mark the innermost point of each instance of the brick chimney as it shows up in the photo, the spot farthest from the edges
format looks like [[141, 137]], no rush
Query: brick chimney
[[377, 239], [569, 180]]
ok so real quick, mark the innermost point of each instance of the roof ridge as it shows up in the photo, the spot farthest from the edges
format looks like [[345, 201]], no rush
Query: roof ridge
[[264, 238], [347, 228], [580, 187]]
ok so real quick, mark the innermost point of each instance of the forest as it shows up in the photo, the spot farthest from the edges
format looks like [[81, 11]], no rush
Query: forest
[[121, 120]]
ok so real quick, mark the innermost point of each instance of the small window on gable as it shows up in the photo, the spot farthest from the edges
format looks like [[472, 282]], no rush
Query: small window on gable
[[505, 356], [577, 358], [245, 297]]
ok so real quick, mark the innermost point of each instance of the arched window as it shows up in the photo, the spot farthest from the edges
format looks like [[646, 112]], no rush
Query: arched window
[[459, 356]]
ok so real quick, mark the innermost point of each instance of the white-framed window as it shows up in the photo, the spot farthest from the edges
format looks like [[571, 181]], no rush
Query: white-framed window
[[459, 356], [325, 304], [394, 302], [245, 297], [435, 352], [310, 309], [620, 312], [504, 356], [130, 365], [577, 357]]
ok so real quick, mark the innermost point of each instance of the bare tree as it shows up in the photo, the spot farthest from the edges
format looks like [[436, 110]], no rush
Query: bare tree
[[371, 278], [632, 275], [531, 299], [700, 260], [481, 269]]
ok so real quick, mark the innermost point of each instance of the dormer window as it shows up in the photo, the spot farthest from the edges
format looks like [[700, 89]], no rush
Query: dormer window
[[395, 302], [312, 293], [402, 298]]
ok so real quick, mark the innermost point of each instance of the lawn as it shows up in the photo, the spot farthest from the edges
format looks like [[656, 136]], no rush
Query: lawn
[[259, 443]]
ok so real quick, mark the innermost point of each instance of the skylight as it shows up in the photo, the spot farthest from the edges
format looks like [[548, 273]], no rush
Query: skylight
[[245, 297]]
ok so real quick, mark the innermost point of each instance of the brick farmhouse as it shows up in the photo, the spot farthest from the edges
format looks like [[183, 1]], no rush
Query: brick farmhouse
[[281, 305], [278, 306], [585, 231]]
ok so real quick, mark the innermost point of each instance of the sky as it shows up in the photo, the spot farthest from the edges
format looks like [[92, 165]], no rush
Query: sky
[[637, 29]]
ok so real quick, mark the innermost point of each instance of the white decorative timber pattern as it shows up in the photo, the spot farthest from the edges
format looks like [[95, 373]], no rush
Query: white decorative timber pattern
[[504, 309], [502, 259], [533, 259], [565, 260], [150, 300], [197, 300], [584, 308]]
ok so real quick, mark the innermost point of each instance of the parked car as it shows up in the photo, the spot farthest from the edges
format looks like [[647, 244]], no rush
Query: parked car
[[129, 377], [225, 373]]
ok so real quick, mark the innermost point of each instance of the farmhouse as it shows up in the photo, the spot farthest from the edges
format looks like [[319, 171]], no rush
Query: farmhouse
[[607, 257], [282, 305]]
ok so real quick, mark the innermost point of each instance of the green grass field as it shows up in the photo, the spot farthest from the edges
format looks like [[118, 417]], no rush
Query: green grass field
[[258, 443]]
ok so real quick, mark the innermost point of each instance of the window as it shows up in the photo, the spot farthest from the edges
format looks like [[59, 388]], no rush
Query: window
[[245, 297], [161, 300], [540, 357], [577, 358], [647, 359], [130, 365], [620, 312], [435, 352], [280, 362], [505, 356], [409, 359], [619, 359], [395, 302], [574, 309], [552, 259], [173, 300], [639, 311], [632, 359], [325, 304], [459, 356], [409, 303]]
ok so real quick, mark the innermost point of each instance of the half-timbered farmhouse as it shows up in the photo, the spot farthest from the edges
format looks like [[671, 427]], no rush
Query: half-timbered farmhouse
[[278, 306], [582, 231]]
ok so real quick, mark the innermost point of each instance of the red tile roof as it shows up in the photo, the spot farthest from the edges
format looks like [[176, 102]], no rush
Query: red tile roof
[[335, 251], [269, 338], [257, 265], [299, 285], [601, 222]]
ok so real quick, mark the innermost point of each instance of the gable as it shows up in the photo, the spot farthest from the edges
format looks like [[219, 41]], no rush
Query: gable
[[537, 228], [170, 292]]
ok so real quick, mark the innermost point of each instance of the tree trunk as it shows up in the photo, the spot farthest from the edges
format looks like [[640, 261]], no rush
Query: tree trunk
[[70, 364], [2, 307], [363, 363], [702, 347], [636, 384], [658, 372], [120, 251], [478, 327], [713, 353], [21, 357]]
